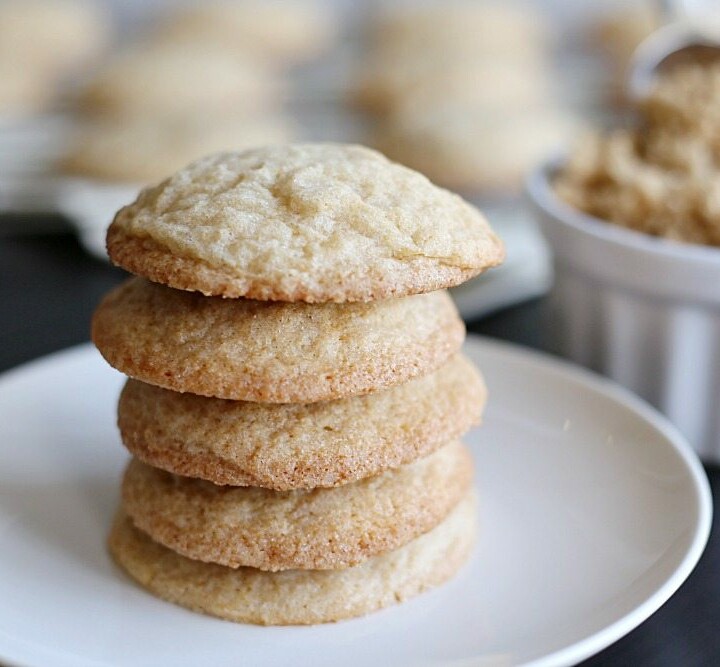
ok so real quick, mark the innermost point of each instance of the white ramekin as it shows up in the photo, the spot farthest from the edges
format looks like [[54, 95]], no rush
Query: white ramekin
[[643, 310]]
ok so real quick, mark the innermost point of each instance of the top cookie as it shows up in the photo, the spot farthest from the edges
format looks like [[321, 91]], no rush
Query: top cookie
[[303, 222]]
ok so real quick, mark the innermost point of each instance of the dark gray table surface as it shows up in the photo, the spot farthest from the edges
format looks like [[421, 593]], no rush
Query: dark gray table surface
[[49, 287]]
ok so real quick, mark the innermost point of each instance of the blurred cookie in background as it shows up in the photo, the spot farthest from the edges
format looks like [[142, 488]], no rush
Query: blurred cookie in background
[[154, 80], [436, 77], [280, 32], [464, 92], [615, 34], [23, 92], [618, 33], [141, 150], [41, 43], [384, 85], [53, 36], [487, 28], [493, 48], [474, 149]]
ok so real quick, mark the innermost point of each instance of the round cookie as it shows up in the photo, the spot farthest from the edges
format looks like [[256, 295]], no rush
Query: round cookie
[[620, 31], [159, 81], [23, 91], [279, 32], [302, 222], [51, 37], [315, 529], [472, 148], [289, 446], [272, 352], [486, 30], [146, 150], [389, 82], [298, 597]]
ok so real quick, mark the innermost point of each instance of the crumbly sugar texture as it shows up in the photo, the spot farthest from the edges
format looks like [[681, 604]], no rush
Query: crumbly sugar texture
[[662, 177], [298, 597], [316, 529], [300, 445], [272, 352], [302, 222]]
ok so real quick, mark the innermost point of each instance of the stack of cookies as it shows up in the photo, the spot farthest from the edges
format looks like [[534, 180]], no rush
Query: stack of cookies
[[297, 389]]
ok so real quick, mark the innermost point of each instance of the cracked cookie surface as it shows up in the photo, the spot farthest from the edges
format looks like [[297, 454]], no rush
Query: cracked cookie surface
[[312, 529], [302, 222], [293, 445], [298, 597], [272, 352]]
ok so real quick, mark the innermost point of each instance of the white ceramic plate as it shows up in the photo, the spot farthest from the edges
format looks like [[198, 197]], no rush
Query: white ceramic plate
[[593, 510]]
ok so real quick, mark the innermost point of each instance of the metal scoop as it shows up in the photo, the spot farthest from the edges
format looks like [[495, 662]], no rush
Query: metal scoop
[[691, 34]]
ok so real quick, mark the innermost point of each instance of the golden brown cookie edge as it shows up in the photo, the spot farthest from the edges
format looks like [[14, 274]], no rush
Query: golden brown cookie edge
[[238, 545], [131, 549], [143, 256], [324, 470]]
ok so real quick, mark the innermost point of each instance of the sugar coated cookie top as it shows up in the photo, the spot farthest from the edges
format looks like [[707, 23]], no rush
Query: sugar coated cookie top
[[303, 222]]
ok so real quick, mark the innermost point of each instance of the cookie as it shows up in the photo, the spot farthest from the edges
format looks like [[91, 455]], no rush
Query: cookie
[[272, 352], [296, 597], [388, 81], [279, 32], [160, 81], [51, 37], [289, 446], [491, 51], [302, 222], [620, 31], [434, 80], [471, 148], [146, 150], [23, 91], [315, 529], [486, 30], [615, 34]]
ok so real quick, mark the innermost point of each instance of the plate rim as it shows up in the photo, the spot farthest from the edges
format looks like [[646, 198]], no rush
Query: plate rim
[[596, 642], [546, 362]]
